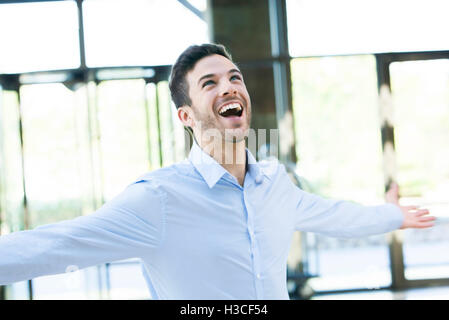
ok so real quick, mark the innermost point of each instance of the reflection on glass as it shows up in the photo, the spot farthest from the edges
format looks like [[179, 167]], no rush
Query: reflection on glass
[[52, 173], [339, 153], [140, 32], [39, 36], [421, 98], [121, 116], [324, 27]]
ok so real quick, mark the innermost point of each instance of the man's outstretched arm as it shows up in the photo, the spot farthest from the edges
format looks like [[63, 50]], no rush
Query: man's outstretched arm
[[128, 225], [346, 219]]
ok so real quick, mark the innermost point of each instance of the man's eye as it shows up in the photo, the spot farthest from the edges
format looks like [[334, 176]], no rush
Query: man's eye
[[209, 82], [236, 77]]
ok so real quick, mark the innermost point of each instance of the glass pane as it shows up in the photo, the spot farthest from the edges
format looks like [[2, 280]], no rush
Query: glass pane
[[39, 36], [51, 153], [421, 100], [83, 133], [339, 154], [141, 32], [11, 175], [57, 174], [324, 27], [124, 146]]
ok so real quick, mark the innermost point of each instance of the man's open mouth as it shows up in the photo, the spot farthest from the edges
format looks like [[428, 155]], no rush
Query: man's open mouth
[[229, 110]]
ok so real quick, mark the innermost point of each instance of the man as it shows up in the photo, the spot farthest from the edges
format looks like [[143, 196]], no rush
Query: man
[[217, 225]]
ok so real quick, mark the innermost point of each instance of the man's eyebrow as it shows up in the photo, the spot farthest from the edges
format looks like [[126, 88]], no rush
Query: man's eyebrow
[[234, 70], [210, 75]]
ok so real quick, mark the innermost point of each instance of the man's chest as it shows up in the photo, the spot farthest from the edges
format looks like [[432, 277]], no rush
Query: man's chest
[[226, 221]]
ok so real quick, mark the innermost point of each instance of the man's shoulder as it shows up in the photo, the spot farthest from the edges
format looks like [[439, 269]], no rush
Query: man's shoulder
[[270, 166], [164, 174]]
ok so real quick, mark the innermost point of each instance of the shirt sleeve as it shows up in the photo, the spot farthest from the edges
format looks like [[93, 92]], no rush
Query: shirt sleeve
[[341, 219], [125, 227], [344, 219]]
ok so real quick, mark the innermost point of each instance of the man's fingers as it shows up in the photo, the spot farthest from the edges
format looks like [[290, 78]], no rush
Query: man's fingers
[[425, 219], [422, 212], [417, 218], [425, 222], [425, 225], [411, 207]]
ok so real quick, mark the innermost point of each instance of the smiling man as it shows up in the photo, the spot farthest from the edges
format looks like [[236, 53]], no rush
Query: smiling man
[[217, 225], [214, 103]]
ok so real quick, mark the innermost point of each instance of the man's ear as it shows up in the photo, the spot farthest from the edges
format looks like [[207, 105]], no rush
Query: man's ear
[[185, 115]]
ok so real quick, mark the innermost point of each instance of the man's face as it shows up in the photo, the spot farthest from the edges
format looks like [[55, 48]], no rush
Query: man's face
[[220, 101]]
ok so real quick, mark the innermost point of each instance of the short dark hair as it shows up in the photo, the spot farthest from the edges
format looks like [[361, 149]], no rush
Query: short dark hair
[[179, 88]]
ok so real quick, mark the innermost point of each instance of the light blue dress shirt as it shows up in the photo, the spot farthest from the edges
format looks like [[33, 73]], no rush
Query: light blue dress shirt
[[199, 234]]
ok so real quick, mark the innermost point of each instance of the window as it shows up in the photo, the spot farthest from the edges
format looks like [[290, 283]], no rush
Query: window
[[420, 92], [51, 153], [326, 27], [339, 153], [144, 33], [39, 36]]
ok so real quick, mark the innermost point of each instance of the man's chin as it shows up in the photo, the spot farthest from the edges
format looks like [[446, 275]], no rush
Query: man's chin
[[235, 135]]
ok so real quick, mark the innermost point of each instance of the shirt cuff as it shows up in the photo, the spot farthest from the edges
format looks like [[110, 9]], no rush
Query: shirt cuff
[[396, 214]]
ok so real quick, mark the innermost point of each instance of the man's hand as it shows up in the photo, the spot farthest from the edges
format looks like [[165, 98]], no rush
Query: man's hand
[[413, 216]]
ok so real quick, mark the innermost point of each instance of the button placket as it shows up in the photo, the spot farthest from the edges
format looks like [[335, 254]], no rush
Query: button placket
[[254, 248]]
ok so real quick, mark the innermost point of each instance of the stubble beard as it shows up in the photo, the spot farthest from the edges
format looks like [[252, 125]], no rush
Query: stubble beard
[[209, 128], [214, 138]]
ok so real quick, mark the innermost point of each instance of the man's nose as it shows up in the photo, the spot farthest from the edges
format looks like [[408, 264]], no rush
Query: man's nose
[[228, 88]]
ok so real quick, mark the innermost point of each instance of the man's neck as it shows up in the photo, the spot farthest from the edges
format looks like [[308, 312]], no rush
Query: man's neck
[[230, 155]]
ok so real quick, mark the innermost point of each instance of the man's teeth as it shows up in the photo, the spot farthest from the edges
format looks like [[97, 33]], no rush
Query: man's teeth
[[230, 106]]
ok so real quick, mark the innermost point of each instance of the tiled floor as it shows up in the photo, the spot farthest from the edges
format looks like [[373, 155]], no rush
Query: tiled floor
[[430, 293]]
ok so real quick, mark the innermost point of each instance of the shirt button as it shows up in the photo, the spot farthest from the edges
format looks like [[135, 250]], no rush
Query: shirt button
[[259, 179], [258, 276]]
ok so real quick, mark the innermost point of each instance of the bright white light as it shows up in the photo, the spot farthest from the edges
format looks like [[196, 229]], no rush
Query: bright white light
[[38, 36], [327, 27], [148, 32], [44, 36], [43, 77], [199, 4], [131, 73]]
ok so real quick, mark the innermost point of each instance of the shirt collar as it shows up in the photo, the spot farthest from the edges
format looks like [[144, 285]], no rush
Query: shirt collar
[[212, 171], [254, 169]]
